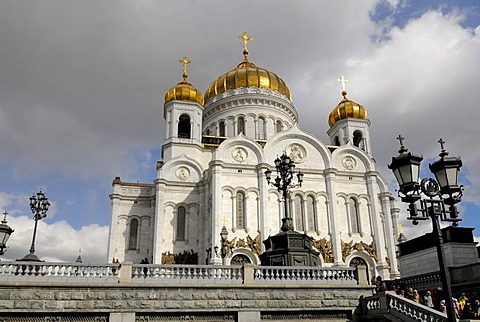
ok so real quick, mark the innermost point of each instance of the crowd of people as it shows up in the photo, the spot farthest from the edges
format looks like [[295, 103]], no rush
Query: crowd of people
[[466, 306]]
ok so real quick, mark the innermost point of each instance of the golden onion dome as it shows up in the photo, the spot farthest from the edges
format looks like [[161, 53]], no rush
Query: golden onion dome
[[346, 108], [247, 75], [184, 91]]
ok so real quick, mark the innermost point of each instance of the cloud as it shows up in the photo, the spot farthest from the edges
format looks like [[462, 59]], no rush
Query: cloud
[[57, 241]]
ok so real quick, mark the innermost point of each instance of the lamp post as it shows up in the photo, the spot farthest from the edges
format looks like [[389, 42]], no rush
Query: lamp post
[[285, 167], [5, 232], [223, 239], [443, 194], [39, 205]]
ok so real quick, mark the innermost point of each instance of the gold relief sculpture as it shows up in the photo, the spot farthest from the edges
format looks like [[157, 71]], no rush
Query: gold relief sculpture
[[241, 243], [255, 245], [185, 257], [325, 249], [231, 245], [346, 249]]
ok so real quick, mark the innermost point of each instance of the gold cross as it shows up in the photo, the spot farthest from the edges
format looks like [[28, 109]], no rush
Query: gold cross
[[344, 83], [246, 38], [5, 215], [185, 61]]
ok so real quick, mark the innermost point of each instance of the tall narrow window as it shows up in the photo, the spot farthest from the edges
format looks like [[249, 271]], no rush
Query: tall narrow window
[[354, 216], [181, 218], [133, 236], [311, 215], [261, 128], [184, 126], [240, 215], [337, 141], [241, 125], [278, 126], [298, 201], [221, 128], [358, 139]]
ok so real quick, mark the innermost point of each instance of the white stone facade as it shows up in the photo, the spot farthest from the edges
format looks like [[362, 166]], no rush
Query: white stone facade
[[214, 177]]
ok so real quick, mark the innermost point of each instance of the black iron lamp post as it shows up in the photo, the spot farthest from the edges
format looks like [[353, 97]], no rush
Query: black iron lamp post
[[443, 194], [223, 239], [39, 205], [285, 167], [5, 232]]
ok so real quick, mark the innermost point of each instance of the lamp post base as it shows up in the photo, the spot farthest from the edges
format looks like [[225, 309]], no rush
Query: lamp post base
[[30, 257]]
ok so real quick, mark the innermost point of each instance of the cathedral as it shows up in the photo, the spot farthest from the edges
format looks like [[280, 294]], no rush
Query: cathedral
[[211, 180]]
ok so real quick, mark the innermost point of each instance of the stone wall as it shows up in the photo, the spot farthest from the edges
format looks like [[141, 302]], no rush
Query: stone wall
[[127, 302]]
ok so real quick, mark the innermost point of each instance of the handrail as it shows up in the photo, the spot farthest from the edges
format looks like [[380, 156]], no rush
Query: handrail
[[399, 307], [127, 272], [54, 271]]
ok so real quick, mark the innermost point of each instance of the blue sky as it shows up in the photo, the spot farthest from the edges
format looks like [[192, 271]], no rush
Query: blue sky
[[82, 86]]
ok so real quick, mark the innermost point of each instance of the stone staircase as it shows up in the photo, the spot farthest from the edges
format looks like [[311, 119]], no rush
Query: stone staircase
[[388, 306]]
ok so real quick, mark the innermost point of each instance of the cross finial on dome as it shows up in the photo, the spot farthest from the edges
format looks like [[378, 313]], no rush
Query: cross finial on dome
[[344, 82], [246, 38], [185, 61]]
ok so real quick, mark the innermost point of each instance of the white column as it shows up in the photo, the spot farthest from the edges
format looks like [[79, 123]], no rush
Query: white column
[[305, 219], [113, 233], [378, 235], [349, 216], [389, 235], [245, 212], [159, 222], [216, 211], [234, 213], [330, 175]]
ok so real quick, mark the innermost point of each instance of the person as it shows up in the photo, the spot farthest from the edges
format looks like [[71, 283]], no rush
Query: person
[[443, 307], [427, 300], [380, 286], [409, 294], [416, 297]]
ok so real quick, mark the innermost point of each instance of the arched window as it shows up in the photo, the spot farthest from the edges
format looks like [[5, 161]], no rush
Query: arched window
[[181, 223], [240, 215], [241, 125], [354, 216], [221, 128], [261, 128], [311, 215], [337, 141], [278, 126], [357, 139], [184, 126], [133, 236], [298, 202]]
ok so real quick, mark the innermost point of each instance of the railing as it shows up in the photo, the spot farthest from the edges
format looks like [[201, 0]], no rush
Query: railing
[[398, 306], [58, 272], [304, 275], [146, 273], [127, 273], [422, 282]]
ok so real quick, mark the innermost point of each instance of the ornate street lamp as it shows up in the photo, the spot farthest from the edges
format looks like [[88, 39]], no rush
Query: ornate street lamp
[[442, 192], [285, 167], [39, 206], [5, 232], [223, 239]]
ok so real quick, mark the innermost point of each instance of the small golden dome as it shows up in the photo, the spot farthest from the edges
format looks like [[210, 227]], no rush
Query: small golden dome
[[247, 75], [346, 108], [184, 91]]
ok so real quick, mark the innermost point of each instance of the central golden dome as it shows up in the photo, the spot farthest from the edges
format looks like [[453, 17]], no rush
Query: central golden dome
[[247, 75]]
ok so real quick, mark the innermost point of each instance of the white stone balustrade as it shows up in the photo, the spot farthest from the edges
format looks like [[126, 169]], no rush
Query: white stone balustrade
[[399, 307], [172, 274], [304, 275], [127, 273], [59, 272]]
